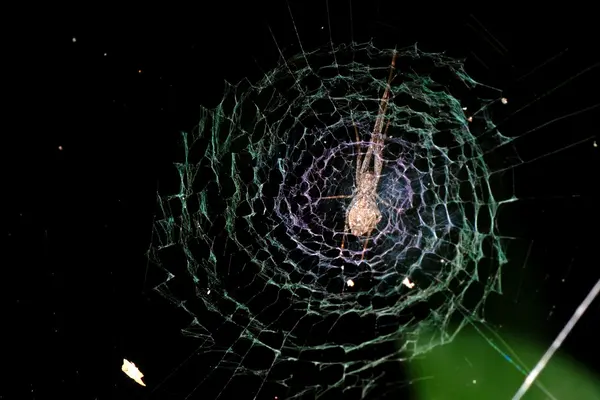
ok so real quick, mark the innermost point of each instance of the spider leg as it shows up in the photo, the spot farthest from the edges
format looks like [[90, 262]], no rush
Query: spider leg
[[362, 257], [358, 161], [384, 202], [341, 196], [345, 233], [398, 210], [344, 237]]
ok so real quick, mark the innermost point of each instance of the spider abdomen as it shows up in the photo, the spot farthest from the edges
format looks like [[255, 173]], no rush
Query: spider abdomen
[[364, 215]]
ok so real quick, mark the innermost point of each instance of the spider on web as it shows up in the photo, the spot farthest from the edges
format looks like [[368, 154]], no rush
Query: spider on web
[[363, 214]]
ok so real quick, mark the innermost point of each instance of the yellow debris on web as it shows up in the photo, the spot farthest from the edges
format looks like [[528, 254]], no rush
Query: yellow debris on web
[[132, 371]]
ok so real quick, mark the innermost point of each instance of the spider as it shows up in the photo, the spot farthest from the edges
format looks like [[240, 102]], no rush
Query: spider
[[363, 215]]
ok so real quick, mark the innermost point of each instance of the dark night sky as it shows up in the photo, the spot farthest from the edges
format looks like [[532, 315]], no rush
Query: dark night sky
[[101, 97]]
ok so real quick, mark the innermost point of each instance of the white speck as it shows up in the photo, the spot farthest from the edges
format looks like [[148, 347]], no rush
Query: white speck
[[504, 100], [350, 283], [74, 39]]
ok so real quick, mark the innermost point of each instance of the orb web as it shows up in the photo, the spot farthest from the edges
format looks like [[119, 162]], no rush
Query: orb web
[[275, 284]]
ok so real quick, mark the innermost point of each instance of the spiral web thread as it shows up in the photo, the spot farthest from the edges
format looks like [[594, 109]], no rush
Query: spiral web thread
[[252, 250]]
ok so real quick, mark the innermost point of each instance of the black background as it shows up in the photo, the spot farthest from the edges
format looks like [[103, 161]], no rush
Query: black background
[[78, 285]]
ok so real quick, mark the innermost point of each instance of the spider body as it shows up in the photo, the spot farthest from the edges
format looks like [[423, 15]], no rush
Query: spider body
[[363, 215]]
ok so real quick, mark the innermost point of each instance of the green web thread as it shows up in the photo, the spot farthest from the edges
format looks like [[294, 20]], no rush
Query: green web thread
[[252, 251]]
